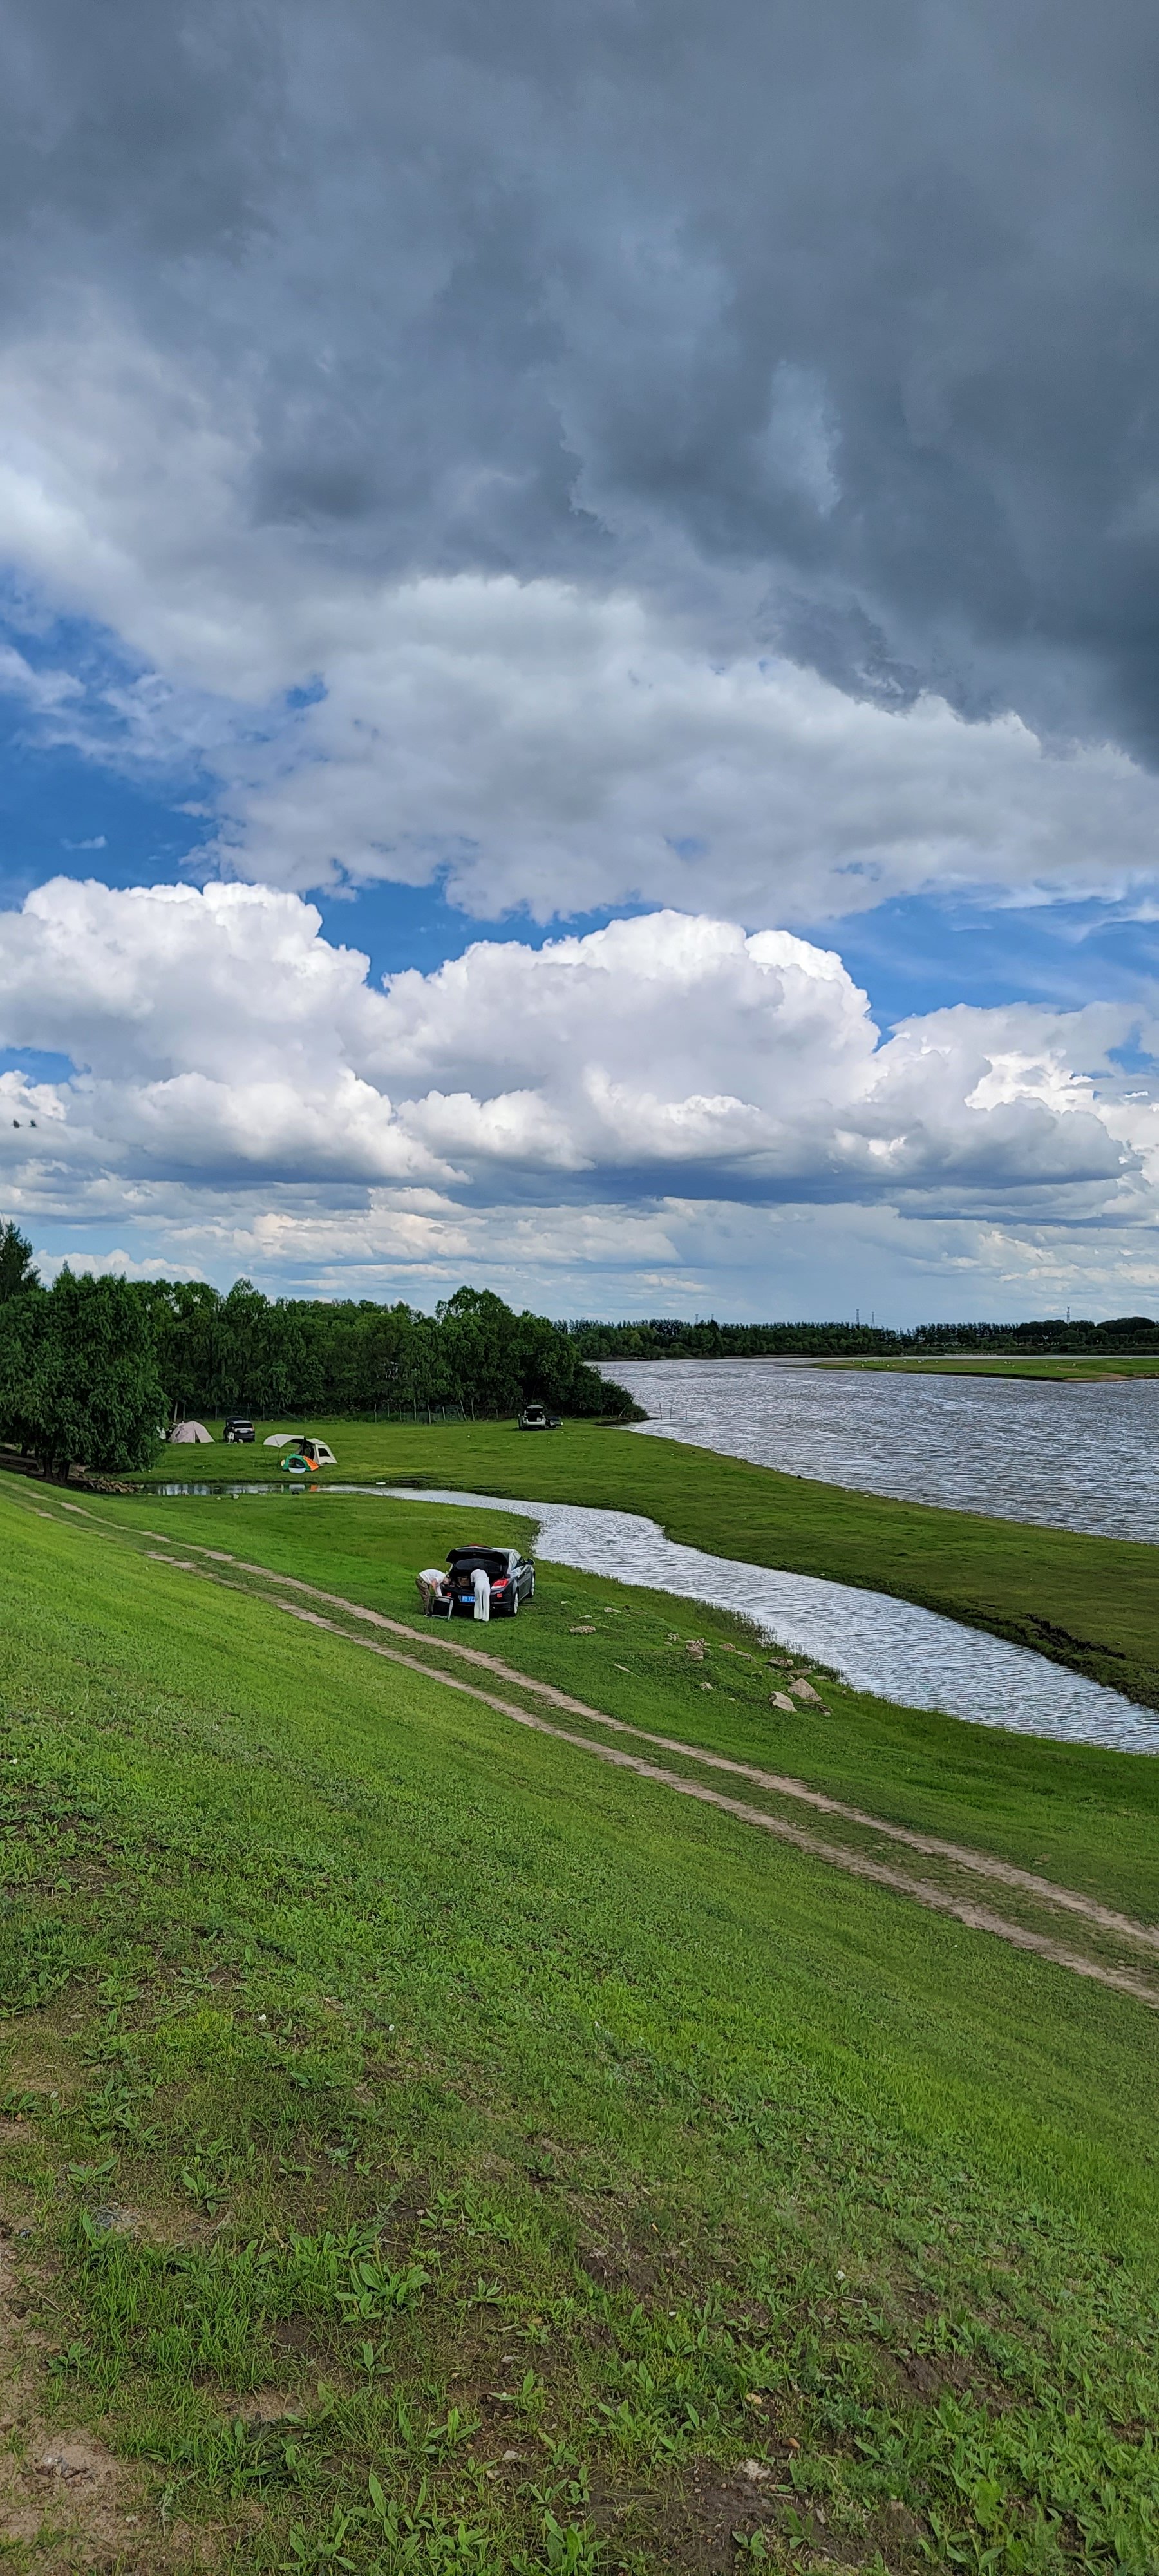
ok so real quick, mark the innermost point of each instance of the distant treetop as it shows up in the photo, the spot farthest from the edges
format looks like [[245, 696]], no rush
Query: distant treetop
[[669, 1337], [16, 1270]]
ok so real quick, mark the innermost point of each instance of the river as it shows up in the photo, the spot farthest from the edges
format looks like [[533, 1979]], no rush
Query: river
[[1079, 1456]]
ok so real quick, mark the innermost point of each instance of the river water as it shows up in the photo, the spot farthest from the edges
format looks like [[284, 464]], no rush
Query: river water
[[1079, 1457], [1075, 1456], [889, 1647]]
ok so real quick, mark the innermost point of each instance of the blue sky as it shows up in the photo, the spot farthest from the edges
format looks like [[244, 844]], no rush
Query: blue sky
[[596, 519], [63, 814]]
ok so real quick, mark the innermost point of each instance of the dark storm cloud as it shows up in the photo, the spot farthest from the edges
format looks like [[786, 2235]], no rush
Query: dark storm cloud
[[835, 324]]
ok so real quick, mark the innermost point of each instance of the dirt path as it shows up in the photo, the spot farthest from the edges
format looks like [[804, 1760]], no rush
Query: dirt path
[[980, 1864], [856, 1864]]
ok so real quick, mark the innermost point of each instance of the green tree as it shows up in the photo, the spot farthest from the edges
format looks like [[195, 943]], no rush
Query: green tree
[[297, 1356], [19, 1327], [477, 1337], [16, 1271], [78, 1375]]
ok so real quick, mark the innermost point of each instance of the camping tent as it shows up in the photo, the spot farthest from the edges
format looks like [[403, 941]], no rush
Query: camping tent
[[281, 1439], [192, 1431]]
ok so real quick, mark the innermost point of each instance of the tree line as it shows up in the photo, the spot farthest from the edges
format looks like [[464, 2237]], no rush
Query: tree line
[[670, 1337], [93, 1370]]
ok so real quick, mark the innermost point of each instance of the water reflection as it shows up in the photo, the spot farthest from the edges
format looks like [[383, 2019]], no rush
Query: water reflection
[[230, 1492]]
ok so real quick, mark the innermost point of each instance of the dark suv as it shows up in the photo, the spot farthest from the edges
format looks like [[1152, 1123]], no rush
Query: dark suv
[[238, 1428]]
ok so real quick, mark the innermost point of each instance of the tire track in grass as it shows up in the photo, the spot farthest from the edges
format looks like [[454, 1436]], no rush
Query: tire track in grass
[[977, 1918], [932, 1846], [957, 1855]]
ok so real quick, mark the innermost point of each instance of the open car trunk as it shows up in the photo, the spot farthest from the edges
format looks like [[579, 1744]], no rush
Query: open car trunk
[[495, 1563]]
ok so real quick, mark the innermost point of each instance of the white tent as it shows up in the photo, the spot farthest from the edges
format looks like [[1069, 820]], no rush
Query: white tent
[[192, 1431], [281, 1439]]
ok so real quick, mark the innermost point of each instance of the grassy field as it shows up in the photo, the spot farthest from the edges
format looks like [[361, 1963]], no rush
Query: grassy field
[[1064, 1806], [427, 2148], [1061, 1364], [1092, 1603]]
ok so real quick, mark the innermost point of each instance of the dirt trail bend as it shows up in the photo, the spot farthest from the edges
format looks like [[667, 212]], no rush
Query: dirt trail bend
[[981, 1864], [856, 1863], [978, 1918]]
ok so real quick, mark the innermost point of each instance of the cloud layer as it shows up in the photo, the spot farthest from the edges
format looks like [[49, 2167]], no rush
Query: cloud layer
[[664, 447], [543, 749], [694, 462], [226, 1053]]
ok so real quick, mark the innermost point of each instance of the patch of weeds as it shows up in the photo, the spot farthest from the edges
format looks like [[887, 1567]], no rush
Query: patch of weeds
[[39, 1953]]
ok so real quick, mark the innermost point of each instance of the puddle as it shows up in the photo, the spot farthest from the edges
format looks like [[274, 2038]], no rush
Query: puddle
[[229, 1493]]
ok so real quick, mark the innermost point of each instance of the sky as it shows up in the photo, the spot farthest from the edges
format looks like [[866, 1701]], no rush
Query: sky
[[579, 651]]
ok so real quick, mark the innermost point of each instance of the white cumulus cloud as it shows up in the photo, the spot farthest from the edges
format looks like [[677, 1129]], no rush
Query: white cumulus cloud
[[226, 1055]]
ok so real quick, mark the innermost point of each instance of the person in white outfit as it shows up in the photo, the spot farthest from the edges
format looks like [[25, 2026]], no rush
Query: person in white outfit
[[481, 1587]]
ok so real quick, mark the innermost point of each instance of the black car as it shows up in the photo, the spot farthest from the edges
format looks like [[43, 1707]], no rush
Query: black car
[[511, 1576], [238, 1428]]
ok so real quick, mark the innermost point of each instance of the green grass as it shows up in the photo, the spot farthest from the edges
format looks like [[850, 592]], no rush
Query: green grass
[[1091, 1603], [1052, 1364], [1089, 1818], [469, 2099]]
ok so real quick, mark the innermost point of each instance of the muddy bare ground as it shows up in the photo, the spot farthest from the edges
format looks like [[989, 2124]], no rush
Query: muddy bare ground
[[695, 2523], [66, 2503]]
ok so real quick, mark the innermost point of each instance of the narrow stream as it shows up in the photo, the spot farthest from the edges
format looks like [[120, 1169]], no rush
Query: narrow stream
[[889, 1647], [892, 1648]]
